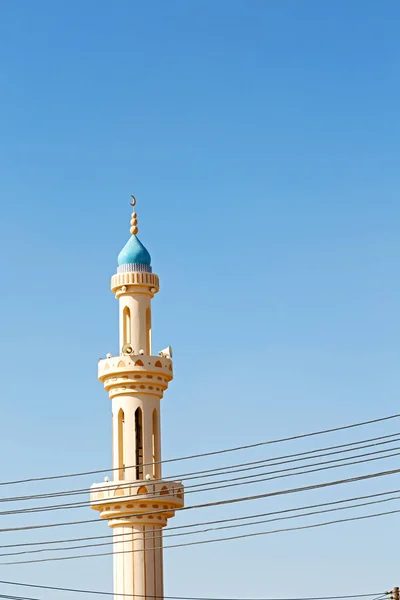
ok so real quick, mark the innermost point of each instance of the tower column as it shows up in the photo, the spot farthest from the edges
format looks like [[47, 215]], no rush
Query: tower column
[[137, 566]]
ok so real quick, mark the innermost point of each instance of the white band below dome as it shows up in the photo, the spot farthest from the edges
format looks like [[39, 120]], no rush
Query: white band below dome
[[134, 267]]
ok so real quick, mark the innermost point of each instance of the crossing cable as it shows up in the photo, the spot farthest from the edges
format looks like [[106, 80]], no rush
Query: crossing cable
[[226, 483], [201, 542], [160, 536], [189, 489], [198, 524], [83, 504], [212, 453], [103, 593], [235, 468], [217, 502], [9, 597]]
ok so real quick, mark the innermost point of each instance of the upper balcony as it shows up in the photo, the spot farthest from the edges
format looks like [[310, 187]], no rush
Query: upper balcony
[[135, 373]]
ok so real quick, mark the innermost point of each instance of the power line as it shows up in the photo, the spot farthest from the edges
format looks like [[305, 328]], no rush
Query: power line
[[189, 489], [178, 527], [277, 474], [219, 502], [213, 453], [8, 597], [296, 457], [201, 542], [102, 593], [299, 456], [127, 536]]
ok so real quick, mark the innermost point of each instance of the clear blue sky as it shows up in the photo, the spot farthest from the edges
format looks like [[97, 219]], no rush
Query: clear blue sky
[[261, 139]]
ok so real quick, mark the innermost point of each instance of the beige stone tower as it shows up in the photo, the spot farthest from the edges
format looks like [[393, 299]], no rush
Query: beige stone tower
[[137, 503]]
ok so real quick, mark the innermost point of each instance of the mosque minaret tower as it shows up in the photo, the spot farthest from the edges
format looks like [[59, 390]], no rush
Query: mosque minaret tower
[[137, 503]]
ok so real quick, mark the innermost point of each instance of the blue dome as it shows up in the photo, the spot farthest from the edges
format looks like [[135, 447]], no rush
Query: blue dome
[[134, 253]]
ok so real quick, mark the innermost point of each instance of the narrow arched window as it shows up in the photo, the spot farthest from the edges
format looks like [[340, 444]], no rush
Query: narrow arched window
[[139, 442], [121, 461], [156, 446], [148, 330], [127, 325]]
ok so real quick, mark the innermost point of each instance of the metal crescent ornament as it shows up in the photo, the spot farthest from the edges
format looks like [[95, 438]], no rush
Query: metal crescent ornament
[[133, 203]]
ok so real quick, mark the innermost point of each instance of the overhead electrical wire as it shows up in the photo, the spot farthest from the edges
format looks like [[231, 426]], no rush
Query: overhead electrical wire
[[252, 465], [295, 457], [276, 493], [258, 515], [227, 483], [189, 489], [127, 536], [12, 597], [102, 593], [212, 453], [9, 597], [201, 542]]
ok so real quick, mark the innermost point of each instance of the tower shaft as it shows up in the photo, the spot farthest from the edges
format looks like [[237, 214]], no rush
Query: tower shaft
[[142, 576]]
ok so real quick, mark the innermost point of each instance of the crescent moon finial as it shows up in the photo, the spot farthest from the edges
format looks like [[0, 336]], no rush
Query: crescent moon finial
[[134, 227]]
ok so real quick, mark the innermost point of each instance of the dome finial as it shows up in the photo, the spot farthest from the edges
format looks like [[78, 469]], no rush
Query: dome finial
[[134, 254], [134, 227]]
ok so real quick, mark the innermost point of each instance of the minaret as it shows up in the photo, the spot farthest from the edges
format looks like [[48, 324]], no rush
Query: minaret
[[137, 503]]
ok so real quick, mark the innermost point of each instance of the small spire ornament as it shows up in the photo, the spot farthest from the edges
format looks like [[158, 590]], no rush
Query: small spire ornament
[[134, 228]]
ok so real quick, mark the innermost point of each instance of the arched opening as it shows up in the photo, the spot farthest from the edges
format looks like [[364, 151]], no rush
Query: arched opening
[[139, 442], [121, 462], [127, 325], [155, 446], [148, 330]]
